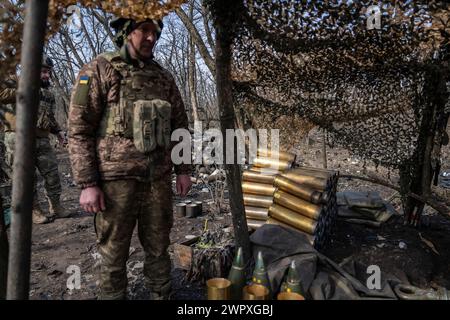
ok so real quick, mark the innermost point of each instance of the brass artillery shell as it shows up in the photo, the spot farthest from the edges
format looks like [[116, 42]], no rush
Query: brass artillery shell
[[304, 192], [266, 171], [281, 165], [311, 238], [258, 188], [218, 289], [316, 183], [252, 200], [296, 204], [293, 218], [282, 155], [255, 292], [256, 213], [289, 296], [254, 176], [255, 224]]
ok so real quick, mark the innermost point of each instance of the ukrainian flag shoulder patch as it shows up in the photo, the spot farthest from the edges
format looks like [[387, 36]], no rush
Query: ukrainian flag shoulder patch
[[84, 80]]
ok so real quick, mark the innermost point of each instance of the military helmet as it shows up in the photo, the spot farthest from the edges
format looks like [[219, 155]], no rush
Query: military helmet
[[47, 62], [124, 26]]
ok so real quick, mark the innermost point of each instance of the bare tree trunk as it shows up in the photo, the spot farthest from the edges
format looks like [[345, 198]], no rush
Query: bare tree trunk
[[24, 160], [224, 22], [205, 15], [4, 250], [89, 40], [202, 49], [191, 71]]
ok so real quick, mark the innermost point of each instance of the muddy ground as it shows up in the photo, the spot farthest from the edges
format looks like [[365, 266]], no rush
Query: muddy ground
[[71, 242]]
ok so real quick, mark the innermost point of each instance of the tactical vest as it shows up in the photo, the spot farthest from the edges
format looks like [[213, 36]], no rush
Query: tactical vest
[[140, 114], [46, 103]]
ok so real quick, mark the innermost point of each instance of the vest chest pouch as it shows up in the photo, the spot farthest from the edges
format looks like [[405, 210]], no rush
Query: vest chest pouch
[[144, 126], [163, 128]]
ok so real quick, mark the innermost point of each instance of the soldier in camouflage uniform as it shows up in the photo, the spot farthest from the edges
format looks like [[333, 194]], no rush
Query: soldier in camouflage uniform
[[46, 162], [123, 109]]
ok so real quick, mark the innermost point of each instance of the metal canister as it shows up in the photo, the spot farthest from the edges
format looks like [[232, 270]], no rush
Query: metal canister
[[256, 213], [180, 209], [293, 218], [255, 176], [279, 164], [271, 153], [304, 192], [296, 204], [311, 238], [187, 202], [199, 205], [255, 224], [218, 289], [258, 188], [252, 200], [191, 210], [317, 183]]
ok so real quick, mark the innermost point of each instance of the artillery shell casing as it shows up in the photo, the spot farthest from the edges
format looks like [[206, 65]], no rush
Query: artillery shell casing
[[316, 183], [304, 192], [258, 188], [282, 155], [218, 289], [266, 171], [293, 218], [252, 200], [296, 204], [274, 221], [255, 224], [256, 213], [254, 176], [263, 162]]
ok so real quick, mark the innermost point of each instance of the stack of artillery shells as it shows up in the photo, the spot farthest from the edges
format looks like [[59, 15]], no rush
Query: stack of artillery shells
[[305, 200], [257, 184]]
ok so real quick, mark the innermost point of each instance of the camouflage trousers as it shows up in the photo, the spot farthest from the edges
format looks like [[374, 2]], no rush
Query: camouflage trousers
[[131, 202], [46, 164]]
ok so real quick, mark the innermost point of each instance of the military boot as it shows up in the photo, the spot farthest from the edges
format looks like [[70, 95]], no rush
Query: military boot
[[56, 209], [164, 293], [38, 215]]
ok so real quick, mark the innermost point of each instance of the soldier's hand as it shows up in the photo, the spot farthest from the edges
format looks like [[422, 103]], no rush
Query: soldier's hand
[[184, 184], [92, 200]]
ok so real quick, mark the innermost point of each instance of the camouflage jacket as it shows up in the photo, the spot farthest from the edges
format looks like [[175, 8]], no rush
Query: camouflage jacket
[[46, 113], [111, 157]]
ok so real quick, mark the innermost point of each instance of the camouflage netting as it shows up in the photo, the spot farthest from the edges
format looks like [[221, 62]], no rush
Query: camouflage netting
[[378, 92], [12, 19]]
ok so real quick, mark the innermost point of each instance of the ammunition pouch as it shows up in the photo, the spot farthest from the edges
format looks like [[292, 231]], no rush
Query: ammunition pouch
[[144, 126], [148, 125]]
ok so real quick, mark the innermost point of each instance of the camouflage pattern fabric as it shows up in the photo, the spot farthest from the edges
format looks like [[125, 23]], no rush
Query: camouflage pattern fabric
[[113, 157], [46, 164], [149, 204]]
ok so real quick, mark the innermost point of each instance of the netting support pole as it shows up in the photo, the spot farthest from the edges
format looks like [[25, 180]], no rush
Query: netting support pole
[[24, 158]]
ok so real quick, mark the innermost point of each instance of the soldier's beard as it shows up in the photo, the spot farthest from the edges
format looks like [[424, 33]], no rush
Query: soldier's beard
[[45, 83]]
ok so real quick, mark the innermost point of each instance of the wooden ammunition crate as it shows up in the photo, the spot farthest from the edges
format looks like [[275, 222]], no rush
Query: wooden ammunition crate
[[182, 253]]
